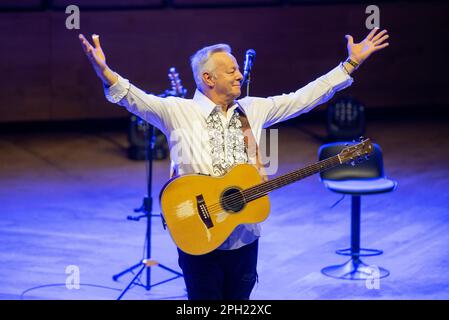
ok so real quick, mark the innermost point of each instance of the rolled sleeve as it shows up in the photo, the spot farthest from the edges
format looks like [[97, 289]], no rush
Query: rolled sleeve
[[117, 91], [340, 78]]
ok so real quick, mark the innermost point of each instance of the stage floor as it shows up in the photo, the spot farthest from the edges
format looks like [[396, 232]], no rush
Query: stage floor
[[64, 199]]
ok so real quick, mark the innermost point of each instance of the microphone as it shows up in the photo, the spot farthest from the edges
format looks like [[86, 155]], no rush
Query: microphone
[[250, 56]]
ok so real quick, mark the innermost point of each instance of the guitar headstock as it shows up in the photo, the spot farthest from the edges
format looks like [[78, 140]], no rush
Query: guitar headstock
[[176, 86], [356, 152]]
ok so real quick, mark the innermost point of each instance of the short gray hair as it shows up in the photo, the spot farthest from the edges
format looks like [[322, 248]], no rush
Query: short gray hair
[[201, 62]]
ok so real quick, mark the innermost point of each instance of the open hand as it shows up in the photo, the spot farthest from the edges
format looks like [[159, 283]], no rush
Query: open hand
[[359, 52], [94, 54], [98, 60]]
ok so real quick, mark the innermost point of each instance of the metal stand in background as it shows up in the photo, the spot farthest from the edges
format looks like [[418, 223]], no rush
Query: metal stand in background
[[250, 56], [248, 81], [146, 209]]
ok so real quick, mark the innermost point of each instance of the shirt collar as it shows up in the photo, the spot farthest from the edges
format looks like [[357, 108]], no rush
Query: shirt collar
[[207, 105]]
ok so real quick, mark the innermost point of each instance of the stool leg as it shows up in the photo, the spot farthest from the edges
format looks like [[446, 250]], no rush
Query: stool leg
[[355, 250], [355, 269], [355, 225]]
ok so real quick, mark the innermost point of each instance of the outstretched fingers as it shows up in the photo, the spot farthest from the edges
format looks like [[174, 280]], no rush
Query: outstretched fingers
[[377, 48], [372, 33], [380, 34], [96, 41], [377, 42], [85, 44], [350, 39]]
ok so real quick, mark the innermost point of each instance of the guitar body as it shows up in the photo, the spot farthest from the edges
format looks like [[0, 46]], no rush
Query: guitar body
[[202, 211]]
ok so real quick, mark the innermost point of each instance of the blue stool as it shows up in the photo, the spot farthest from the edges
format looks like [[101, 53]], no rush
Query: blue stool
[[364, 178]]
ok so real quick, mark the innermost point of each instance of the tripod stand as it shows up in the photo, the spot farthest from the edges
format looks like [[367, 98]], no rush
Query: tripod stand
[[150, 138]]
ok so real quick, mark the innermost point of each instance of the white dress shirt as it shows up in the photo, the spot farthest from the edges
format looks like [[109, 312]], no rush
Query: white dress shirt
[[186, 124]]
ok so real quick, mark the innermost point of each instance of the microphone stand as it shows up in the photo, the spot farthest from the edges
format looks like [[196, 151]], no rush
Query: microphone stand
[[248, 80], [146, 209], [250, 56]]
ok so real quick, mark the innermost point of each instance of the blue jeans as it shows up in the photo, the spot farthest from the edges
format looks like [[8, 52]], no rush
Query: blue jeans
[[220, 274]]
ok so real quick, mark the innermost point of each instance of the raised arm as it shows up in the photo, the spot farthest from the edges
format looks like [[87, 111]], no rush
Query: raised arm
[[154, 109], [359, 52], [282, 107]]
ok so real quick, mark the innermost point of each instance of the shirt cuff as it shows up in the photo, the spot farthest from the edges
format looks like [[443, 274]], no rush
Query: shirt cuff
[[117, 91], [339, 77]]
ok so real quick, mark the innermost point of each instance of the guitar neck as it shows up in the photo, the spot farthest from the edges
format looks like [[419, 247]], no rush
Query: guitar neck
[[264, 188]]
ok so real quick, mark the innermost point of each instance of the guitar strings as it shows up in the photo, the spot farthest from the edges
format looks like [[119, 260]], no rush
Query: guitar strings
[[259, 190]]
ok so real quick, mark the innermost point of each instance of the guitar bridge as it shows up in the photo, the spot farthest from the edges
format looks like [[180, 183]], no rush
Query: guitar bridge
[[203, 212]]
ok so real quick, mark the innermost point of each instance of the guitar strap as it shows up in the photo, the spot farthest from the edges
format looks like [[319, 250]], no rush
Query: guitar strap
[[252, 149]]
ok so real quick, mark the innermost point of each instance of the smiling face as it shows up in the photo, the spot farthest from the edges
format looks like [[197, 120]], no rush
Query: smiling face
[[226, 78]]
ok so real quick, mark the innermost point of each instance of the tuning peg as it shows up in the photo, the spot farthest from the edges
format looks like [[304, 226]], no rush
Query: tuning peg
[[352, 163]]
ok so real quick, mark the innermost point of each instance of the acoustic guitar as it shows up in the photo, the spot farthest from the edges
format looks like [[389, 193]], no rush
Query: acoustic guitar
[[201, 211]]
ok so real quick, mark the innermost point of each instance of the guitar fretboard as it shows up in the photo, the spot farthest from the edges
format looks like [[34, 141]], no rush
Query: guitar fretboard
[[264, 188]]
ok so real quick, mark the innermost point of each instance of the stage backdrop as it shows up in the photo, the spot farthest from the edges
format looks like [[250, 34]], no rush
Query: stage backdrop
[[45, 75]]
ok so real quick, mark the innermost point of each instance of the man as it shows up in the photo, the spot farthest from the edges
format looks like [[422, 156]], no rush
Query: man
[[228, 272]]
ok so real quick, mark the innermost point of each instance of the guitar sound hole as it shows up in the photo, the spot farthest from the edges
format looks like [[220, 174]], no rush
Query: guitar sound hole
[[232, 200]]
